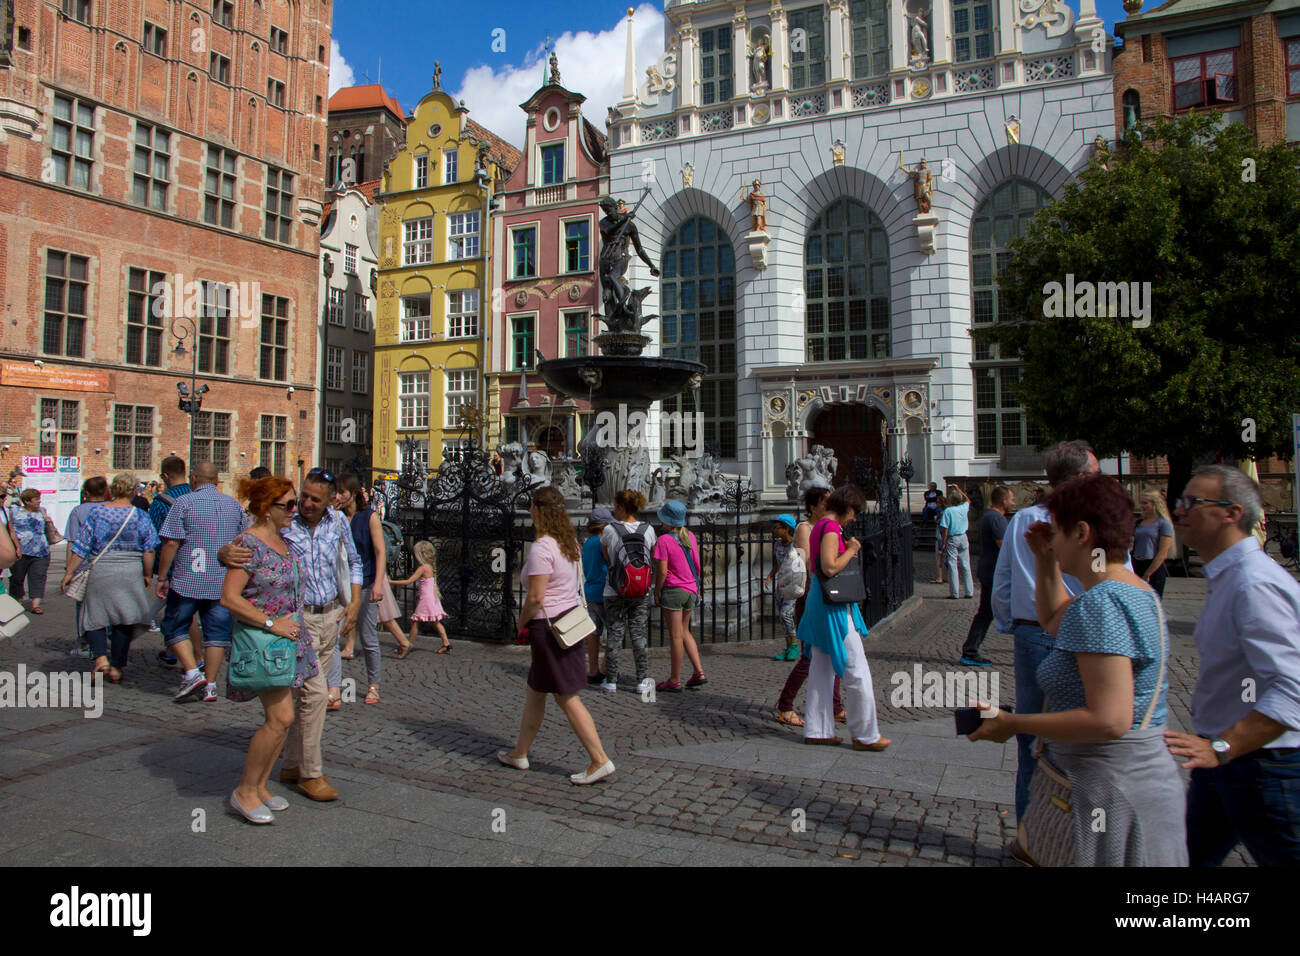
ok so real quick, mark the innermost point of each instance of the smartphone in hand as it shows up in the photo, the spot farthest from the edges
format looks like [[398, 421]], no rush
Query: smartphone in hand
[[968, 720]]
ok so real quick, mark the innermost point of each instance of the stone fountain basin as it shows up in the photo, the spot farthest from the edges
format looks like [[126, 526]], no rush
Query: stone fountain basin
[[631, 379]]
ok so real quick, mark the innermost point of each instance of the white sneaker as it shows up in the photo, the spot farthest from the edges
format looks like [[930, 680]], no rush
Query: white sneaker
[[600, 773], [210, 693], [154, 628], [188, 686], [645, 687], [609, 687]]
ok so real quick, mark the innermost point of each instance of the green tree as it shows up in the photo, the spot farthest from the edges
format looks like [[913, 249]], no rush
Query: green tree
[[1212, 221]]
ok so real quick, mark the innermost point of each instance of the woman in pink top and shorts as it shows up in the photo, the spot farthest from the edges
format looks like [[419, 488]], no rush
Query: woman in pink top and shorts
[[552, 572], [677, 590]]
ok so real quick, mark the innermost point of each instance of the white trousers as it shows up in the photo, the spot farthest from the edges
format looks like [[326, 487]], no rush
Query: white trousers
[[855, 685]]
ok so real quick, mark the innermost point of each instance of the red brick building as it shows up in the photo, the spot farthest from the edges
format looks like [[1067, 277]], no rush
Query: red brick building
[[160, 181], [366, 128], [1239, 57]]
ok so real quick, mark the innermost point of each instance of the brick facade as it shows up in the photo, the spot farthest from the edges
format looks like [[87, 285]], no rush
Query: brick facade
[[125, 94]]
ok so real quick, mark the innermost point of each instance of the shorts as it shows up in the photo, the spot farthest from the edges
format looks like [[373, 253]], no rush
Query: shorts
[[218, 624], [678, 599]]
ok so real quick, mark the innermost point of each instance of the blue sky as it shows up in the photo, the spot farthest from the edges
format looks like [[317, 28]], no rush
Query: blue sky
[[589, 40]]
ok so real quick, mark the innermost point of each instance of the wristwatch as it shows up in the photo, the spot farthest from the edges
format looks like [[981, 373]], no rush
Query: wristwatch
[[1222, 750], [268, 623]]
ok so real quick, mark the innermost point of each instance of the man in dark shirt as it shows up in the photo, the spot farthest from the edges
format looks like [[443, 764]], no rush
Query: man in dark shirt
[[992, 527], [931, 510]]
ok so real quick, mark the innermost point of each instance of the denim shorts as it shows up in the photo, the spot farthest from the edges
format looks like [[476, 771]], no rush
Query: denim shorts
[[216, 621], [678, 599]]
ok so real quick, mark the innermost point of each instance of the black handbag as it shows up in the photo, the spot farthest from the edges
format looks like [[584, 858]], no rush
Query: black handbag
[[847, 586]]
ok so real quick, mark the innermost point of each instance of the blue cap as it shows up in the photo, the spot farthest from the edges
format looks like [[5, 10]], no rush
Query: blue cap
[[673, 513], [787, 520]]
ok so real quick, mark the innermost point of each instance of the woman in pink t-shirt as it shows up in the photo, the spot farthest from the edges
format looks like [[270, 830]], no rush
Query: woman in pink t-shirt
[[551, 571], [677, 590]]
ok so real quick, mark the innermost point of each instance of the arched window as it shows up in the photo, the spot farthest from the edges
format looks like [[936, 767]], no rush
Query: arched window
[[697, 299], [1003, 216], [1132, 109], [846, 284]]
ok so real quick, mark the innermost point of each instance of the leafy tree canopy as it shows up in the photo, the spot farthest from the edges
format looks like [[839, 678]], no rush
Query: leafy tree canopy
[[1212, 221]]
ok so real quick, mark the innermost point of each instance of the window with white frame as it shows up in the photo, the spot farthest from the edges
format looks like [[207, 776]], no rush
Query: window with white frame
[[450, 165], [453, 446], [334, 359], [413, 399], [420, 452], [553, 164], [336, 298], [869, 24], [577, 328], [577, 245], [523, 336], [333, 423], [462, 235], [972, 30], [715, 64], [1293, 67], [462, 314], [523, 252], [417, 242], [349, 259], [362, 417], [1205, 79], [360, 372], [360, 312], [421, 170], [417, 317], [462, 389]]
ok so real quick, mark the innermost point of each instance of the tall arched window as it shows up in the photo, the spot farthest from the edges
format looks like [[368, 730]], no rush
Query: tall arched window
[[697, 299], [846, 284], [1003, 216]]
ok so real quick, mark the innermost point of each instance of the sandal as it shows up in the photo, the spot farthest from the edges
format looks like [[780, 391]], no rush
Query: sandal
[[790, 718], [114, 675], [38, 610], [669, 686], [697, 680], [404, 649], [445, 649], [372, 694], [841, 717], [878, 746], [334, 703]]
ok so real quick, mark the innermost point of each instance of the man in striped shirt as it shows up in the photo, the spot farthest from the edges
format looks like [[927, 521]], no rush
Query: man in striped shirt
[[194, 530], [316, 535]]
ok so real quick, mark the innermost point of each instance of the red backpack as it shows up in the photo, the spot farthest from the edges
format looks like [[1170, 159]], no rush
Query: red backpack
[[631, 570]]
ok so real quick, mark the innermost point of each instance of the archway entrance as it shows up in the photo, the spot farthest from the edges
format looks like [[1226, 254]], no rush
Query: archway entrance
[[853, 432], [551, 441]]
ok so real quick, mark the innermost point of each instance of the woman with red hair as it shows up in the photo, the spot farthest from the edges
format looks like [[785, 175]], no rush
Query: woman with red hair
[[1105, 681], [266, 593]]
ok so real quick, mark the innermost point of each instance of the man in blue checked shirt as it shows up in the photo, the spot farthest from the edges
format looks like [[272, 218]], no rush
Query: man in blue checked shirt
[[1245, 754], [316, 535], [193, 531]]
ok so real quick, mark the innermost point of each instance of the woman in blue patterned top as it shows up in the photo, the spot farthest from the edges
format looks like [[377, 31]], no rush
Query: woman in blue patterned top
[[28, 521], [1105, 682], [121, 541]]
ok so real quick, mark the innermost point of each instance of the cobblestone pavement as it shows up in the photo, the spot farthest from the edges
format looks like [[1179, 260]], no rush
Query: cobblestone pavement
[[704, 777]]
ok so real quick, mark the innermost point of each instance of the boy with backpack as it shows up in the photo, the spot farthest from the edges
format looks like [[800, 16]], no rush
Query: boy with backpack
[[628, 543], [789, 576]]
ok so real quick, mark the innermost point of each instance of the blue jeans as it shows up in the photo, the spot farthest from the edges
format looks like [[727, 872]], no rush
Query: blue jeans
[[216, 621], [1254, 799], [1032, 646]]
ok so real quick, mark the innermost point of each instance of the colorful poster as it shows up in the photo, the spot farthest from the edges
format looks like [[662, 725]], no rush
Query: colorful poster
[[59, 482]]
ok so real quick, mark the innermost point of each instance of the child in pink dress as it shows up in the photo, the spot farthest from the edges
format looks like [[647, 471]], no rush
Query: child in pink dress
[[429, 606]]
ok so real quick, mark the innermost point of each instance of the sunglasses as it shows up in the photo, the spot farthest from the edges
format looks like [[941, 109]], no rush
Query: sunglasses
[[321, 473], [1188, 502], [289, 505]]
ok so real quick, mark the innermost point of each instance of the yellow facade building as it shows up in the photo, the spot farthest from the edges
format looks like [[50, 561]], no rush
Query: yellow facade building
[[434, 300]]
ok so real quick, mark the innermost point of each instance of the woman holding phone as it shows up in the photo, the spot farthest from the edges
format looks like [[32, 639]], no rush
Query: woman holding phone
[[832, 635]]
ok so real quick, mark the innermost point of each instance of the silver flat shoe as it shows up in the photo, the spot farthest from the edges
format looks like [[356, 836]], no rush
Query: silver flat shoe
[[519, 763], [276, 804], [258, 815], [600, 773]]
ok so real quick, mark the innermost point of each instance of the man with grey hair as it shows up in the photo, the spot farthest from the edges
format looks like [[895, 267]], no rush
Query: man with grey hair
[[1245, 755], [1013, 601]]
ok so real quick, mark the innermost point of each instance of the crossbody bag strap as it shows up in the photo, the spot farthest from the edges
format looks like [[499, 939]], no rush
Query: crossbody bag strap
[[1160, 677], [690, 561]]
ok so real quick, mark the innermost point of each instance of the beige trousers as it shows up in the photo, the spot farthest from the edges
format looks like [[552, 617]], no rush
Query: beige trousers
[[302, 750]]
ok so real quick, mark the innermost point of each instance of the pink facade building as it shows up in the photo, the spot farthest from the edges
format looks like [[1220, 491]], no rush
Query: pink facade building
[[544, 262]]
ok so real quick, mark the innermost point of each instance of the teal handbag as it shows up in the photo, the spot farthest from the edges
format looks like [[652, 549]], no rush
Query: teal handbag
[[260, 660]]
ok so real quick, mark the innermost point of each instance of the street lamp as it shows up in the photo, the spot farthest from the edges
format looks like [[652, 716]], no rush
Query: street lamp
[[191, 396]]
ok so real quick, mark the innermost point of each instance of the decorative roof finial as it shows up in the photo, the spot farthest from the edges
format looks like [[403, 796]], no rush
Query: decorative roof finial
[[437, 75]]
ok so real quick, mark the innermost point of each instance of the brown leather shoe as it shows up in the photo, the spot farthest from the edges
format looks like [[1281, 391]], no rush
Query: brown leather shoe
[[318, 788], [878, 746], [289, 776]]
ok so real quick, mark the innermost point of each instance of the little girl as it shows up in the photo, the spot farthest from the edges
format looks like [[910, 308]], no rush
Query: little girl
[[429, 606]]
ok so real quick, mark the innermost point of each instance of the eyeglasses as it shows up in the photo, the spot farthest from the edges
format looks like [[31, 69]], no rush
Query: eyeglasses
[[1188, 502], [321, 473], [287, 505]]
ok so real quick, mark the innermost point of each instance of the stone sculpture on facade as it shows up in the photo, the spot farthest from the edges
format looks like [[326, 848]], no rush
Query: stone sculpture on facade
[[619, 236], [758, 206], [918, 39], [759, 54], [818, 468], [922, 184]]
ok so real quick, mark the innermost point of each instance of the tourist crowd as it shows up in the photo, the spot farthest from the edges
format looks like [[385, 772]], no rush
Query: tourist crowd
[[279, 584]]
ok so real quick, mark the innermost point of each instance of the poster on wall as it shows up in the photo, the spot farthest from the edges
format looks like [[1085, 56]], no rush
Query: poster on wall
[[59, 482]]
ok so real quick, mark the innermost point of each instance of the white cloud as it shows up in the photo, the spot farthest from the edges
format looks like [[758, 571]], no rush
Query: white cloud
[[590, 64], [341, 74]]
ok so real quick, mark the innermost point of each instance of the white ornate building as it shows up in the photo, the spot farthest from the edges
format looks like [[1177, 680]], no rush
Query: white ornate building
[[841, 316]]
